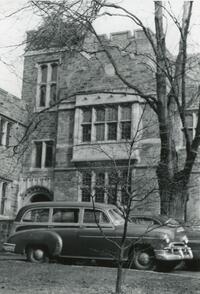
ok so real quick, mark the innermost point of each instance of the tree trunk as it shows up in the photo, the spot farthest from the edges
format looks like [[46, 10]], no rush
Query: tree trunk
[[173, 194]]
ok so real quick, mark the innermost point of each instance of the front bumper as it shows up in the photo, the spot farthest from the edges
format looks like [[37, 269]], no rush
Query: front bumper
[[175, 251], [9, 247]]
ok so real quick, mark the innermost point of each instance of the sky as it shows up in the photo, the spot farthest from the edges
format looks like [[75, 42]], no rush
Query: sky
[[13, 27]]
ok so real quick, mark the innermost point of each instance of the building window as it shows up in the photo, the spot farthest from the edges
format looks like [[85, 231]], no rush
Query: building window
[[5, 127], [47, 84], [43, 154], [190, 122], [105, 186], [3, 197], [86, 125], [106, 123]]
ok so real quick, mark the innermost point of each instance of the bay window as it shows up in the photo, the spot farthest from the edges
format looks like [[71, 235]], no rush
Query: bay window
[[106, 123]]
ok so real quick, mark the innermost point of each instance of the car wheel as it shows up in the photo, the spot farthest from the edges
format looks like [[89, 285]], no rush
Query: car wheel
[[167, 266], [143, 258], [37, 255]]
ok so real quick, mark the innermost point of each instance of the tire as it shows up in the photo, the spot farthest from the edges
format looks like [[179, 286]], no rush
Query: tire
[[143, 258], [166, 266], [37, 254]]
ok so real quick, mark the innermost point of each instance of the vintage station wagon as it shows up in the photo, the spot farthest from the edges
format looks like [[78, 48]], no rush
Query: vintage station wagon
[[48, 230]]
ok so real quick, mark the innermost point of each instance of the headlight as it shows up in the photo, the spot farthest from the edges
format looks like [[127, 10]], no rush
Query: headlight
[[185, 239], [166, 238]]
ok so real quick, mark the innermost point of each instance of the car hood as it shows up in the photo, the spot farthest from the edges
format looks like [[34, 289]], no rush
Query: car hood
[[175, 234]]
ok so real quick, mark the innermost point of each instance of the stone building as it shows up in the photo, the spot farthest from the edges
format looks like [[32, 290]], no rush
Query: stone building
[[12, 125], [85, 118]]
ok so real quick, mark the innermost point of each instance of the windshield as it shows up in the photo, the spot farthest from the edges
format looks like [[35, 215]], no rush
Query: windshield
[[116, 216], [172, 223]]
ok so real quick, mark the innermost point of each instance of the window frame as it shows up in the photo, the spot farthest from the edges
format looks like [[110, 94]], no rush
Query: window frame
[[43, 157], [106, 123], [5, 130], [191, 128], [49, 83], [93, 185]]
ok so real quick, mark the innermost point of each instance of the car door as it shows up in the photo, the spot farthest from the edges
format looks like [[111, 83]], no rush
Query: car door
[[65, 222], [97, 235]]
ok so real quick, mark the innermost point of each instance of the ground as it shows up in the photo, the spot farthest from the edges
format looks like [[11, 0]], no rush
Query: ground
[[18, 276]]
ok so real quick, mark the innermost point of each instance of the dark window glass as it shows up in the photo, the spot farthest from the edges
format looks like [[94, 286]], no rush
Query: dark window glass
[[86, 194], [112, 131], [126, 112], [65, 215], [126, 130], [112, 187], [42, 95], [99, 194], [111, 113], [49, 154], [86, 186], [44, 69], [2, 130], [125, 186], [54, 72], [3, 197], [100, 132], [38, 154], [53, 92], [87, 115], [37, 215], [86, 133], [100, 114], [8, 134], [93, 216]]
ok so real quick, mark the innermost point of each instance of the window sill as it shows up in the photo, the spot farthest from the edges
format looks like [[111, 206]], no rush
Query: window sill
[[47, 108], [105, 142], [41, 168]]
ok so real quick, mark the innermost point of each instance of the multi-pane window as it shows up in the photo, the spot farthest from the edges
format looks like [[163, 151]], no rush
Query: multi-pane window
[[100, 187], [47, 84], [3, 186], [43, 154], [106, 123], [105, 186], [86, 125], [5, 126], [126, 122], [86, 186]]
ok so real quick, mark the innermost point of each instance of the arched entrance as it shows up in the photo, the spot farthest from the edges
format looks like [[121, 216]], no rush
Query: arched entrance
[[37, 194]]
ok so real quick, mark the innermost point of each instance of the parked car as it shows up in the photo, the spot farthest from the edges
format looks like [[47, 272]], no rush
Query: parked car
[[192, 231], [47, 230]]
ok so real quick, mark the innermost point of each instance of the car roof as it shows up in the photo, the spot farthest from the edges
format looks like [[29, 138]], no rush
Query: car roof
[[58, 204]]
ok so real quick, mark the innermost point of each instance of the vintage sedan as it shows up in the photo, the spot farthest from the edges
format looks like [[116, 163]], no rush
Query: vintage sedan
[[48, 230], [192, 230]]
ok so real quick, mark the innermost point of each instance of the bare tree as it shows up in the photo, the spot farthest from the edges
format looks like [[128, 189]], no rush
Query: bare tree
[[169, 100]]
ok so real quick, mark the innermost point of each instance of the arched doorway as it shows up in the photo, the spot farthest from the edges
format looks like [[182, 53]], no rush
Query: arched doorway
[[37, 194]]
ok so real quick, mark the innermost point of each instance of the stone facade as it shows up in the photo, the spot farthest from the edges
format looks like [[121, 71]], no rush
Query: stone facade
[[12, 126], [59, 151]]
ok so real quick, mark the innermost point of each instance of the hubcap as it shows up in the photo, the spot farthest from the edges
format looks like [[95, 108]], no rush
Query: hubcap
[[144, 258], [38, 254]]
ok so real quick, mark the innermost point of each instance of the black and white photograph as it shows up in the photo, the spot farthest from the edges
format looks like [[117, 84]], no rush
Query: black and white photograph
[[99, 147]]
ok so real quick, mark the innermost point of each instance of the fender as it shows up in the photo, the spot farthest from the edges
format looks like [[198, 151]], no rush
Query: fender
[[50, 239]]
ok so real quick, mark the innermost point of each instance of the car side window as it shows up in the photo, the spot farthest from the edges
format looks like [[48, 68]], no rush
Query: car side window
[[65, 215], [36, 215], [143, 221], [95, 216]]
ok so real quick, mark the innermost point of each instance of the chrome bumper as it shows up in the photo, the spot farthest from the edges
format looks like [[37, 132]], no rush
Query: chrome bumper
[[9, 247], [174, 252]]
